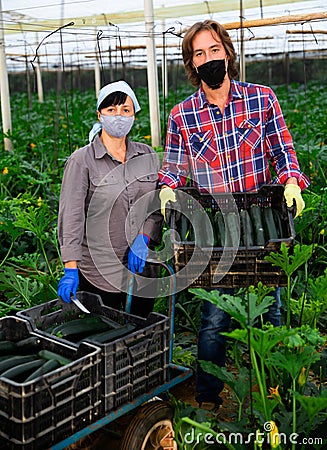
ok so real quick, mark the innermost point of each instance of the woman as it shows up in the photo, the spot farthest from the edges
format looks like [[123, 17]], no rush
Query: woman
[[105, 222]]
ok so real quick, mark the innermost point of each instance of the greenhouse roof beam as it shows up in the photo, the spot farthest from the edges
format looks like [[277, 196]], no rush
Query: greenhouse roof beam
[[196, 9]]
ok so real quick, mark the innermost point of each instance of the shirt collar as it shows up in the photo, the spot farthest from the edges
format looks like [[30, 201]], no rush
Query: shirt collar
[[235, 92], [133, 149]]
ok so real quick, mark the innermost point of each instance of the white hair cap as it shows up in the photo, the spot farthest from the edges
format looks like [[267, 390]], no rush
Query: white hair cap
[[118, 86]]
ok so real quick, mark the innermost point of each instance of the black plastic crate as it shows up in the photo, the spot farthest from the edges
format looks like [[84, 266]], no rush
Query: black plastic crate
[[40, 413], [211, 266], [131, 365]]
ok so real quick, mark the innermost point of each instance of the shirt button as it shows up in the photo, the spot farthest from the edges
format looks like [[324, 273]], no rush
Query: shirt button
[[218, 112], [228, 156], [249, 126], [232, 178]]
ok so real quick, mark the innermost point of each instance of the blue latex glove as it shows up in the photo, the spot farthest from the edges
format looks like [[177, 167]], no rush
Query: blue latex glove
[[68, 284], [138, 253]]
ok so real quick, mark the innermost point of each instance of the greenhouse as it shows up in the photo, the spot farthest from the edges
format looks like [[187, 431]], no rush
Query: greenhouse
[[178, 301]]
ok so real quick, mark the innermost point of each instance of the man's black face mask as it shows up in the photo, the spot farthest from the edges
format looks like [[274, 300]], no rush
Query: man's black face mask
[[213, 73]]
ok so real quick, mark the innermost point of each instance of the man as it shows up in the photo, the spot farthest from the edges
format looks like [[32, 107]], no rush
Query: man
[[225, 137]]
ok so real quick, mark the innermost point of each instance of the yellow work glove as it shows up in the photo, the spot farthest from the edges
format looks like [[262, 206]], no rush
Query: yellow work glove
[[292, 193], [166, 195]]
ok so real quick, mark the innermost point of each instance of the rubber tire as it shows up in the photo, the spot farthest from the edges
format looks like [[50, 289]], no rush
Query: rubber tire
[[147, 416]]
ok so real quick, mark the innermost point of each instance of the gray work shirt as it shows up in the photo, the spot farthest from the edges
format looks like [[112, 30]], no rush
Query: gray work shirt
[[104, 204]]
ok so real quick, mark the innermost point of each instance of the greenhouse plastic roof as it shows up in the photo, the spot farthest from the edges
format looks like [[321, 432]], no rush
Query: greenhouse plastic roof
[[117, 29]]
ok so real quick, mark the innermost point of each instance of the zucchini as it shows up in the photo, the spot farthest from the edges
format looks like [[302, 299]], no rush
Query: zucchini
[[5, 357], [28, 345], [246, 225], [232, 230], [14, 361], [7, 347], [112, 334], [259, 233], [220, 228], [211, 217], [19, 372], [202, 228], [47, 354], [278, 222], [183, 227], [80, 327], [47, 366], [270, 223]]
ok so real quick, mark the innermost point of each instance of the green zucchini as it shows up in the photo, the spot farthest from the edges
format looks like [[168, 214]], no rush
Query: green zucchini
[[19, 372], [211, 217], [278, 222], [5, 357], [202, 228], [28, 345], [246, 225], [270, 223], [47, 366], [7, 347], [85, 326], [232, 230], [259, 233], [220, 228], [184, 228], [47, 354], [14, 361], [112, 334]]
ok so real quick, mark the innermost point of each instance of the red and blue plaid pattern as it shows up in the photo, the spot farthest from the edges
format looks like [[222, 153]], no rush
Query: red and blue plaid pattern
[[231, 152]]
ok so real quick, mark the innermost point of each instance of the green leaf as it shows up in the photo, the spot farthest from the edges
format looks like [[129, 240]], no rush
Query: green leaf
[[238, 383], [313, 405], [290, 263], [246, 312]]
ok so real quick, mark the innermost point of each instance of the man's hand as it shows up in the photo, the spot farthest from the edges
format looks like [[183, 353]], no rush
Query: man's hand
[[292, 193], [166, 196]]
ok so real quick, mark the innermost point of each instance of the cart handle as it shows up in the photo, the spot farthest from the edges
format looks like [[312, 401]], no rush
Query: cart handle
[[172, 299]]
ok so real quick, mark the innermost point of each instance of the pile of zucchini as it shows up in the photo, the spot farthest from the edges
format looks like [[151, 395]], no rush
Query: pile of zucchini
[[26, 360], [249, 227], [95, 328]]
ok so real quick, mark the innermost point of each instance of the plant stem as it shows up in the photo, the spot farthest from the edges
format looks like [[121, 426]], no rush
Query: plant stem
[[204, 428], [288, 300], [260, 382], [294, 412], [45, 256], [8, 252]]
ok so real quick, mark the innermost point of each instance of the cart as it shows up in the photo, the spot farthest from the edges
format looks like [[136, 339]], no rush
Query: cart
[[104, 397]]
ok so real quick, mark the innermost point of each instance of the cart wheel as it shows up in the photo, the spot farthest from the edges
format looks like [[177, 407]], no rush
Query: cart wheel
[[151, 428]]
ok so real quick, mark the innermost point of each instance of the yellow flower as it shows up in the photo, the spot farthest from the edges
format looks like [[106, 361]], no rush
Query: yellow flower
[[273, 392], [32, 145], [273, 435], [148, 136], [39, 201], [302, 377], [322, 232], [5, 171]]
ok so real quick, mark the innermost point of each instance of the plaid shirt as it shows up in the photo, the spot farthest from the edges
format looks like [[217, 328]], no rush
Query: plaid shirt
[[233, 152]]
